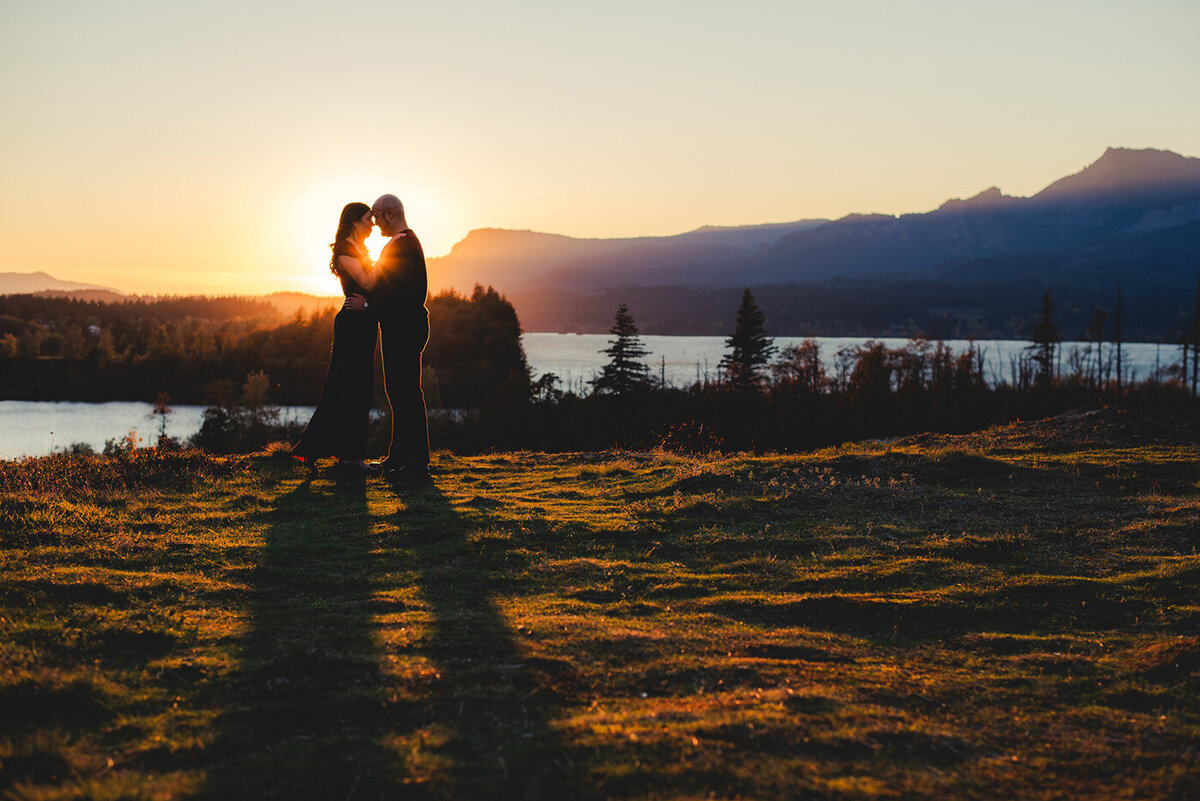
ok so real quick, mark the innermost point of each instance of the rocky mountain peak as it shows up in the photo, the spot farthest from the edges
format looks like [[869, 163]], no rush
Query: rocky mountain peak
[[1124, 170], [988, 198]]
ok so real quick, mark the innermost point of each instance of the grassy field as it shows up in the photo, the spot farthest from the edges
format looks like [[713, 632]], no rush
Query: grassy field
[[1013, 614]]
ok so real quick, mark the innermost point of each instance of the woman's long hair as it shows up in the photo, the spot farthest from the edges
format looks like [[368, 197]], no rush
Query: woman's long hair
[[351, 214]]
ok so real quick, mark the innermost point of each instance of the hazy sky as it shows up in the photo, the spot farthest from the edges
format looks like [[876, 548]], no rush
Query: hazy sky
[[208, 146]]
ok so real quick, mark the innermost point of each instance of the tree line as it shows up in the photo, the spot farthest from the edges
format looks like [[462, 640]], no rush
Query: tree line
[[196, 349], [242, 362], [766, 398]]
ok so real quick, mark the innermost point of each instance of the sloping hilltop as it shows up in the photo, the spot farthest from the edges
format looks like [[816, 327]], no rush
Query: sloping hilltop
[[1012, 614]]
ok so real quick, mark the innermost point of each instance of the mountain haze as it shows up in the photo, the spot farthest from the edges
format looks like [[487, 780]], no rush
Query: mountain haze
[[27, 283]]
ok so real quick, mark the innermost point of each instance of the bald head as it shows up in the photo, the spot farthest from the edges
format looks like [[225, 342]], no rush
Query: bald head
[[389, 215]]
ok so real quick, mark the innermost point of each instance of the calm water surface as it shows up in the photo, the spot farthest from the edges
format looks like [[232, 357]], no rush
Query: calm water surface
[[577, 358], [37, 428]]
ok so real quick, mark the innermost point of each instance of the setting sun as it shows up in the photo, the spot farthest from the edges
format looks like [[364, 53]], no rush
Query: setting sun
[[308, 220]]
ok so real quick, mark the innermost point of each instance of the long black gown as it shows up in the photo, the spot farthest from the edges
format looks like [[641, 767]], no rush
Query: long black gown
[[339, 424]]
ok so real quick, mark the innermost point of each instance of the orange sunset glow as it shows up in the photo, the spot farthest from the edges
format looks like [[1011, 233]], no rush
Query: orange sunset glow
[[208, 148]]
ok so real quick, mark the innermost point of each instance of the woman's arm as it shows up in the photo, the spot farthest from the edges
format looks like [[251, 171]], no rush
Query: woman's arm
[[354, 269]]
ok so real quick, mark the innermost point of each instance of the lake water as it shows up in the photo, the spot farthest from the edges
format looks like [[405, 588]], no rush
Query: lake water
[[37, 428], [577, 358]]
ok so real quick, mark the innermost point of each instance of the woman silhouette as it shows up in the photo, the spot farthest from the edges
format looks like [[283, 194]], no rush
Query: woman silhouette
[[339, 424]]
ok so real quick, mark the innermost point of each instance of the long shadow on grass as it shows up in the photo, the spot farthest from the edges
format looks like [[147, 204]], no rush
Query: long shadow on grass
[[312, 713], [494, 703], [305, 718]]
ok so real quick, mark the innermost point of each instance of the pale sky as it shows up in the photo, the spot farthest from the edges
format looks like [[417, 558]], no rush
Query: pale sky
[[208, 146]]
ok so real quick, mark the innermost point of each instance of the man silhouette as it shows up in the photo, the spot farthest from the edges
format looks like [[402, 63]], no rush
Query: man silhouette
[[399, 304]]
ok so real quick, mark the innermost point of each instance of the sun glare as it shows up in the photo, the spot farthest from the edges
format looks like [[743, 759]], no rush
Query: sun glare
[[306, 225], [375, 243]]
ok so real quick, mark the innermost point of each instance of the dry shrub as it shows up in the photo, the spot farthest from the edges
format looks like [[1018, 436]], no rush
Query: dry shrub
[[86, 475]]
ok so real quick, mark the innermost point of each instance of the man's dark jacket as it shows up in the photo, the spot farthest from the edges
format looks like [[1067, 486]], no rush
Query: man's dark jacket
[[399, 296]]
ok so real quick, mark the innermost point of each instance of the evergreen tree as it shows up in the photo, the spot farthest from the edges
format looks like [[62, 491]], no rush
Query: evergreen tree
[[625, 371], [477, 354], [1045, 341], [750, 349]]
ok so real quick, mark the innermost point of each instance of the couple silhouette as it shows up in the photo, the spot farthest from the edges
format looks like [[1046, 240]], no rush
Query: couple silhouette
[[385, 303]]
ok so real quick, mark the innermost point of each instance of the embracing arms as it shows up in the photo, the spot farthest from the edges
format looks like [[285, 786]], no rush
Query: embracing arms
[[399, 280], [354, 268]]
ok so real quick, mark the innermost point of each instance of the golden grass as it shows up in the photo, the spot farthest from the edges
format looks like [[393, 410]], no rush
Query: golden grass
[[1010, 614]]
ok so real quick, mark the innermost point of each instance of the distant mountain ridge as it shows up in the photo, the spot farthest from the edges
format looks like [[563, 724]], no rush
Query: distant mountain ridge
[[26, 283], [1075, 222], [507, 258], [1127, 172], [285, 304], [987, 199], [1132, 218]]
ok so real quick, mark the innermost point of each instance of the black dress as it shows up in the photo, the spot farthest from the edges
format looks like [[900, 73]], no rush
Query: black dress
[[339, 424]]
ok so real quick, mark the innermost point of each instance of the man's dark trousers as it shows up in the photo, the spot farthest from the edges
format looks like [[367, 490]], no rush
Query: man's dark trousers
[[402, 342]]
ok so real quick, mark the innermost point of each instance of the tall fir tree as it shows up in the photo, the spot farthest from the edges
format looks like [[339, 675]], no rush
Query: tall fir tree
[[625, 371], [1045, 341], [750, 349]]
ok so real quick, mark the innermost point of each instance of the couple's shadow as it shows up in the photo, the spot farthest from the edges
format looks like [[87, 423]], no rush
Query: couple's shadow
[[377, 664]]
